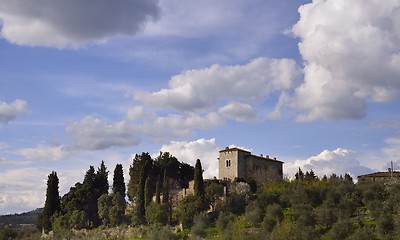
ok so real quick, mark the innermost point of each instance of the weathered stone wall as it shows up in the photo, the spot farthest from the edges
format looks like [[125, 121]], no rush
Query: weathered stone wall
[[263, 169], [244, 164]]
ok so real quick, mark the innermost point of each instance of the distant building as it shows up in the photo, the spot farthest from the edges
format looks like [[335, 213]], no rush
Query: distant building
[[239, 163], [379, 176]]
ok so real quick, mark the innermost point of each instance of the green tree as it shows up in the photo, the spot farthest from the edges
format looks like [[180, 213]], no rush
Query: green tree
[[198, 181], [101, 180], [140, 203], [135, 169], [157, 213], [104, 205], [213, 192], [118, 180], [158, 192], [187, 209], [165, 198], [52, 203]]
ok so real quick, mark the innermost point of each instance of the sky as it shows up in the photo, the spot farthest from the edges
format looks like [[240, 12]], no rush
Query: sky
[[315, 84]]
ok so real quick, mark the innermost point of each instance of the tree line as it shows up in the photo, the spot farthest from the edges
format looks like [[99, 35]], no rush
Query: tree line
[[306, 207], [89, 204]]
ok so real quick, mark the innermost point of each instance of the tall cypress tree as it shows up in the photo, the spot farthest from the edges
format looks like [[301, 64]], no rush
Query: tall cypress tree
[[102, 180], [165, 198], [198, 181], [147, 191], [118, 180], [141, 190], [158, 197], [52, 203]]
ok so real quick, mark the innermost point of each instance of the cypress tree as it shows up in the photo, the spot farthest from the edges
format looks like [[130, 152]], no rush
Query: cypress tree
[[141, 191], [52, 203], [158, 197], [102, 180], [118, 180], [165, 187], [147, 191], [198, 181]]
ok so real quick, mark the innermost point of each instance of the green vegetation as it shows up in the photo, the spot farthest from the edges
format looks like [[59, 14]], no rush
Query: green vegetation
[[307, 207]]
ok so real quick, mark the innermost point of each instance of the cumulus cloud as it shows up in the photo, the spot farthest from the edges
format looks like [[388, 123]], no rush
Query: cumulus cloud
[[10, 111], [43, 152], [71, 23], [238, 111], [189, 152], [203, 89], [351, 57], [338, 161], [25, 189], [392, 150], [92, 134]]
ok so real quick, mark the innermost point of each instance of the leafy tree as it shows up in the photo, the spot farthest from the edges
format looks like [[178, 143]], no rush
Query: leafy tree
[[273, 215], [341, 230], [213, 192], [253, 213], [157, 213], [118, 209], [199, 226], [198, 181], [187, 209], [52, 203], [104, 205], [8, 233]]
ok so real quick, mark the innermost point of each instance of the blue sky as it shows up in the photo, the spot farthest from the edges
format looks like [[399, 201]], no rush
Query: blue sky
[[314, 83]]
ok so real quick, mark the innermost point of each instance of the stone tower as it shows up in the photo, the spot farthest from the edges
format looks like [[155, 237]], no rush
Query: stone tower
[[239, 163]]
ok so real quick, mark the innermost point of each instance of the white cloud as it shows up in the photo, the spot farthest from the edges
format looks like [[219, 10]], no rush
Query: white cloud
[[238, 111], [71, 23], [338, 161], [92, 134], [351, 57], [189, 152], [392, 150], [10, 111], [43, 152], [203, 89], [24, 189]]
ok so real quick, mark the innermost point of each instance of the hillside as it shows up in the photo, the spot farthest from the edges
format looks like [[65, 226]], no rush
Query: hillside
[[22, 218]]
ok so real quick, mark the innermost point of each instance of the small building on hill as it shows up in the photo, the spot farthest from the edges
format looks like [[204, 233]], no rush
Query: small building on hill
[[239, 163], [379, 176]]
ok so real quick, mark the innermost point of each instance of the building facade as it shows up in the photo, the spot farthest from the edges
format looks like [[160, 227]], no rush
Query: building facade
[[239, 163], [379, 176]]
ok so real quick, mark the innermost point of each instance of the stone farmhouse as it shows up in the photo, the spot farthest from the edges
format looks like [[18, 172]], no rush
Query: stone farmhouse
[[239, 163]]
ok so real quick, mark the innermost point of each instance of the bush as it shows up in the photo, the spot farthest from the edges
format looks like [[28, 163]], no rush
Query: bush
[[273, 215], [199, 226], [341, 230], [253, 213], [224, 220]]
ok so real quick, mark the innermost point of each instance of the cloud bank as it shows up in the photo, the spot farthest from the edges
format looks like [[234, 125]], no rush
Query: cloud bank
[[204, 89], [71, 23], [338, 161], [351, 52]]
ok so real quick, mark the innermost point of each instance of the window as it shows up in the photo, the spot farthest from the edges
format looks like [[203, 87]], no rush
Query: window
[[228, 163]]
